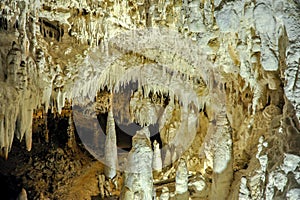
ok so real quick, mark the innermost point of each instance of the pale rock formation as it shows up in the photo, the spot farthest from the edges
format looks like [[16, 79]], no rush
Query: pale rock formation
[[165, 195], [181, 177], [226, 73], [167, 157], [22, 195], [244, 192], [142, 110], [218, 151], [111, 154], [9, 97], [157, 161], [293, 194], [198, 183], [138, 181]]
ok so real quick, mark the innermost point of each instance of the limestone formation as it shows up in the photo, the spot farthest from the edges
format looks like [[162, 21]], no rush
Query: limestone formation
[[138, 181], [157, 161], [181, 177], [165, 194], [111, 156], [218, 80], [22, 195]]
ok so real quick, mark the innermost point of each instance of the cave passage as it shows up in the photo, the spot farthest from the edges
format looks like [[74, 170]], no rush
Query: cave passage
[[125, 133]]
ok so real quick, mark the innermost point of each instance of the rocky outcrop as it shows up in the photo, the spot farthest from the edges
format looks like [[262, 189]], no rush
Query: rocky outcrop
[[218, 78]]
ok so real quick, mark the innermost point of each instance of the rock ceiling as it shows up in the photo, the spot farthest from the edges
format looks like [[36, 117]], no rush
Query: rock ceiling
[[219, 80]]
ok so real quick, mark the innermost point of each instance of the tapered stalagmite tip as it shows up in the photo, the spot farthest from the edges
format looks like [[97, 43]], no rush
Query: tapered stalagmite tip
[[111, 154], [157, 161], [22, 195]]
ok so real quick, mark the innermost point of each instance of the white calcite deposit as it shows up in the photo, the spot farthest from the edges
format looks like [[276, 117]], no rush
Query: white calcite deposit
[[138, 181], [110, 151]]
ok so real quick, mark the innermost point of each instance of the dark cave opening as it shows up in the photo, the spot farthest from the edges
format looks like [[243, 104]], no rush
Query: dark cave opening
[[10, 187], [125, 132]]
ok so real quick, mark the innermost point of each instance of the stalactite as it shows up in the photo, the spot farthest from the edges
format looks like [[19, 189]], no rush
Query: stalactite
[[8, 117]]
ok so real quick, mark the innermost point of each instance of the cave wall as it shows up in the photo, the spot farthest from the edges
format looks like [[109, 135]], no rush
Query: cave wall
[[249, 149]]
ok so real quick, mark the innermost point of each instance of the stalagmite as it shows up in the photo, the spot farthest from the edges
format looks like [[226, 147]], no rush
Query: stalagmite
[[111, 154], [181, 177], [157, 161], [222, 161], [138, 181], [22, 195]]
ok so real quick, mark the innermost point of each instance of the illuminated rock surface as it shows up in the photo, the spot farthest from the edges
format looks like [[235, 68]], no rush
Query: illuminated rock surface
[[216, 82]]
